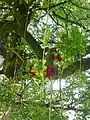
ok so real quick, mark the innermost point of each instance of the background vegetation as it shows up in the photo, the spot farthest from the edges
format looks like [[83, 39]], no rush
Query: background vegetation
[[42, 41]]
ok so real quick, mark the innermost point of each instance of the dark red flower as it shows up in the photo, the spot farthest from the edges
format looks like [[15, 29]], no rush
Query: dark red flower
[[54, 56], [50, 71], [32, 72], [59, 58]]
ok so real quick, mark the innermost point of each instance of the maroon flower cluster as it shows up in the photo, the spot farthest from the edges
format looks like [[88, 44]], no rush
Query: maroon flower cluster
[[32, 73], [50, 71], [58, 57]]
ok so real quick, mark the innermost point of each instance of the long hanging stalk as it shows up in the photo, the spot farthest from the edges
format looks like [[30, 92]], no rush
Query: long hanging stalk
[[43, 59], [60, 87], [80, 63], [50, 108], [43, 63]]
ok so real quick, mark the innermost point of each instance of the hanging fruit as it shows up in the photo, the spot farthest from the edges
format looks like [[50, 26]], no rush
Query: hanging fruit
[[50, 71], [54, 56], [59, 58]]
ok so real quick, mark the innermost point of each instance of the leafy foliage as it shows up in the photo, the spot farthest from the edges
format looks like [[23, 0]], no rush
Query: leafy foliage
[[41, 39]]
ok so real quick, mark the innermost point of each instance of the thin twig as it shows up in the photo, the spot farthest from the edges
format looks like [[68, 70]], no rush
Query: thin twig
[[17, 55], [54, 5], [68, 20]]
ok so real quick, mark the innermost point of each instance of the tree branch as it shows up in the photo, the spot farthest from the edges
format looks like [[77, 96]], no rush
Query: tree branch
[[34, 44], [59, 4], [54, 5], [55, 20], [13, 26], [68, 20]]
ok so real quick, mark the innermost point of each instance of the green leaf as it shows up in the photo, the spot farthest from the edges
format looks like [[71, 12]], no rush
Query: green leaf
[[45, 3], [57, 118], [47, 35], [20, 2], [54, 1]]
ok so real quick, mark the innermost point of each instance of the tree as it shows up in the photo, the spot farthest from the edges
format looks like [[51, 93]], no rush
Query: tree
[[28, 30]]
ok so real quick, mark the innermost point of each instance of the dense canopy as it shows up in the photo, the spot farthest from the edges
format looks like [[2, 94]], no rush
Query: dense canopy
[[42, 41]]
